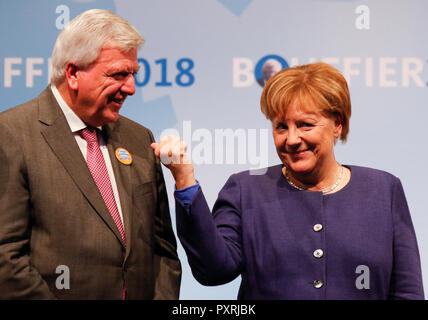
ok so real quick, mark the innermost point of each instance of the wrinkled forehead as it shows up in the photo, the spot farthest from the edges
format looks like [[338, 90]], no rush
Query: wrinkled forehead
[[114, 58]]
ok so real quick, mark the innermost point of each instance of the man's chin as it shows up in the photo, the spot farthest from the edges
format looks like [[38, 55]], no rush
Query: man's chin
[[110, 120], [114, 117]]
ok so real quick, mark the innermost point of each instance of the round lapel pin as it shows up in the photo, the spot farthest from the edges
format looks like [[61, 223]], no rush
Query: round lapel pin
[[123, 156]]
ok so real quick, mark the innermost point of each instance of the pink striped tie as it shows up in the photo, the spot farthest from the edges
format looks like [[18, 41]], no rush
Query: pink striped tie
[[98, 169]]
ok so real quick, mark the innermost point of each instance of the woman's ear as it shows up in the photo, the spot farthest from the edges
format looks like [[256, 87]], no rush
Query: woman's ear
[[337, 127]]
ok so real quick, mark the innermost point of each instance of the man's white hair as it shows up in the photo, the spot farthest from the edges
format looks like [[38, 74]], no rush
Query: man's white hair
[[81, 41]]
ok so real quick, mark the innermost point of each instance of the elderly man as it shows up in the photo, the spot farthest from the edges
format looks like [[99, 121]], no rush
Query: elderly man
[[84, 212], [270, 68]]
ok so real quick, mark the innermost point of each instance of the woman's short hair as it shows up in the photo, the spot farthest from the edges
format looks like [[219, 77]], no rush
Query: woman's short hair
[[316, 87], [81, 41]]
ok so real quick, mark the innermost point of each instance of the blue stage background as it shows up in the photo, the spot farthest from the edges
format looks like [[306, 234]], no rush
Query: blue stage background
[[199, 70]]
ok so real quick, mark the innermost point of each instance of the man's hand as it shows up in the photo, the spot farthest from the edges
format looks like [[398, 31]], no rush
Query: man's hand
[[171, 151]]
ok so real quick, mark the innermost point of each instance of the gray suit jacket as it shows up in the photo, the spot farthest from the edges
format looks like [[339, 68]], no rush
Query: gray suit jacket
[[52, 214]]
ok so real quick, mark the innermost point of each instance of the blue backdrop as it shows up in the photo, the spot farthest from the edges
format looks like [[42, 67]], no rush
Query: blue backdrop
[[201, 69]]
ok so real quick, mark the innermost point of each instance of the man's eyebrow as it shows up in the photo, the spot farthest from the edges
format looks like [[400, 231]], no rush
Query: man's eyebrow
[[114, 70]]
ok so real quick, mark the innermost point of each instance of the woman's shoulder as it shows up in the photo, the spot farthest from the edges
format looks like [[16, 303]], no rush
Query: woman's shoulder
[[270, 176], [252, 187], [260, 174], [371, 175]]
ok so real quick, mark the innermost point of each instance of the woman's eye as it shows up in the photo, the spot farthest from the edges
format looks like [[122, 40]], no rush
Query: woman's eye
[[281, 126]]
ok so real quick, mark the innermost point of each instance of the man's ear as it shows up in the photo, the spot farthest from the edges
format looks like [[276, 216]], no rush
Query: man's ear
[[71, 76]]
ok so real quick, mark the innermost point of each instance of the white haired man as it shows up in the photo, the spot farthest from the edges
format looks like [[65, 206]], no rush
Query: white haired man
[[85, 213], [270, 68]]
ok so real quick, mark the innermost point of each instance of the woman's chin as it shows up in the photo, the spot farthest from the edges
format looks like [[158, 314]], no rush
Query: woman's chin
[[300, 168]]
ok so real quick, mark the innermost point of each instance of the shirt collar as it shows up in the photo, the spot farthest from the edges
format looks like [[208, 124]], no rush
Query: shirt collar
[[75, 123]]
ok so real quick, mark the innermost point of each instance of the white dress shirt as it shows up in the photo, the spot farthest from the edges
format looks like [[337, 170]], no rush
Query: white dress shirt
[[76, 125]]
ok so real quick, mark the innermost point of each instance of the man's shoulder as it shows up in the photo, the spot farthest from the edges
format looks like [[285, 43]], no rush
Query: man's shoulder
[[20, 111], [27, 111], [128, 124], [133, 132]]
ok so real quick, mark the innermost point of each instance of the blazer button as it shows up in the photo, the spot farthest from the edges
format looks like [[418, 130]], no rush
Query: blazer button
[[318, 284], [318, 253], [317, 227]]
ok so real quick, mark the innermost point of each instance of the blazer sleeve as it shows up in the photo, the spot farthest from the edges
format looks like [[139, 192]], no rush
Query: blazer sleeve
[[406, 279], [213, 241], [168, 277], [18, 278]]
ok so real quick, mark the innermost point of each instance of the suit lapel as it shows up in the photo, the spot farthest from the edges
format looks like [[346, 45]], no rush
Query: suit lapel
[[59, 137], [122, 173]]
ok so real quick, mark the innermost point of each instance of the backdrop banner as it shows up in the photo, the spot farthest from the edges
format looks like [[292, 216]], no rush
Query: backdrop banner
[[204, 65]]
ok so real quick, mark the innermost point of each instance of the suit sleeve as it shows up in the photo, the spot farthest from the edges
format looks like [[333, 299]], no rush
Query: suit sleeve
[[213, 241], [168, 277], [406, 279], [18, 278]]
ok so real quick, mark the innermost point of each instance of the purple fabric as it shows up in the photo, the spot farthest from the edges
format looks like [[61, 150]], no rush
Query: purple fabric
[[262, 229]]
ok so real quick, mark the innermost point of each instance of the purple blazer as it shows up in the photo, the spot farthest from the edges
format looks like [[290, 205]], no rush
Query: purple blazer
[[357, 243]]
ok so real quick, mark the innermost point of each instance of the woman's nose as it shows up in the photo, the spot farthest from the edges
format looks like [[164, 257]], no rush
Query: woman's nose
[[293, 137]]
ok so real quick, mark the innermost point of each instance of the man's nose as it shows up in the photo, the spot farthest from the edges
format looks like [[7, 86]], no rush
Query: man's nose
[[128, 86]]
